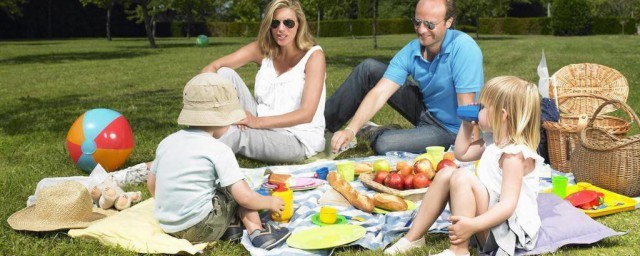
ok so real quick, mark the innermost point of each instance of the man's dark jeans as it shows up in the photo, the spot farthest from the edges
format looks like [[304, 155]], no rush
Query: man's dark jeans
[[344, 102]]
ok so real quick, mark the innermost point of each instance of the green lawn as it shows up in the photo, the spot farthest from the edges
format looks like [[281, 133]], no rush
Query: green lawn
[[46, 85]]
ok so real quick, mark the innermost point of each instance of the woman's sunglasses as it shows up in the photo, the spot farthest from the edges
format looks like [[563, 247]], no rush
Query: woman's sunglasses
[[287, 23]]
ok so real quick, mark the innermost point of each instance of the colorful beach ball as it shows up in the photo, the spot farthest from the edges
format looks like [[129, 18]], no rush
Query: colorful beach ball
[[100, 136]]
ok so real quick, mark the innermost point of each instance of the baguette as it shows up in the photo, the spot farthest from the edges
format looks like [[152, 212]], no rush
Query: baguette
[[389, 202], [275, 178], [355, 198]]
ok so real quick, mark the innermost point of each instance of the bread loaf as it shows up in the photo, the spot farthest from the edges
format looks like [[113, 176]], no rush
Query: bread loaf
[[361, 168], [355, 198], [389, 202], [275, 178]]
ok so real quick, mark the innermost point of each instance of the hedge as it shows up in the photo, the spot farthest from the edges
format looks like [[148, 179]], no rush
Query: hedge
[[338, 28], [515, 26]]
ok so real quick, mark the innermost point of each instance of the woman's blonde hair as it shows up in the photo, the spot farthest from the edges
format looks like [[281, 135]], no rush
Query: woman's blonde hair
[[304, 40], [521, 101]]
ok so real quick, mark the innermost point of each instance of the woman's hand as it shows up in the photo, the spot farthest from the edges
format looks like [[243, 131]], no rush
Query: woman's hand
[[461, 229], [250, 121]]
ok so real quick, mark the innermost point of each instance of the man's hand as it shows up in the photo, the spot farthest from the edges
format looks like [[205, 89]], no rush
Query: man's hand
[[341, 139], [461, 230]]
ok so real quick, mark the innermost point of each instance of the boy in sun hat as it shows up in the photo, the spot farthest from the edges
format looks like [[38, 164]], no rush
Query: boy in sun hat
[[195, 179]]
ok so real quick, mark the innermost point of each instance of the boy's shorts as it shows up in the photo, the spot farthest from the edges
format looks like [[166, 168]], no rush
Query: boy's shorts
[[214, 225]]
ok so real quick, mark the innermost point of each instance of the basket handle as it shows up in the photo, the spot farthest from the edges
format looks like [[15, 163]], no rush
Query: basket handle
[[632, 115], [563, 98]]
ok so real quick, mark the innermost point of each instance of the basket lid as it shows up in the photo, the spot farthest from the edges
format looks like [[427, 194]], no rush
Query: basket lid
[[588, 78]]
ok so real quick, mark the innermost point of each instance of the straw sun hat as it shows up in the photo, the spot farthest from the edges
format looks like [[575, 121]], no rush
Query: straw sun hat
[[63, 206]]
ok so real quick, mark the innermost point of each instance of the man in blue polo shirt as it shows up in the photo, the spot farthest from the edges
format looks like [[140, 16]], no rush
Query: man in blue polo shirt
[[446, 67]]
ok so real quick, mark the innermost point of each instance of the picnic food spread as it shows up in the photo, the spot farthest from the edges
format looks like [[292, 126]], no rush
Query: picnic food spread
[[355, 198]]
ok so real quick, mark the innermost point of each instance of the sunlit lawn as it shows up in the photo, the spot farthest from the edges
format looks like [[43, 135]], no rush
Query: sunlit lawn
[[46, 85]]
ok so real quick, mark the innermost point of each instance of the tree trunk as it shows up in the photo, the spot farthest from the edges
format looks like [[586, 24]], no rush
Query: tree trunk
[[318, 22], [147, 27], [153, 25], [109, 22], [375, 23], [49, 29], [549, 9], [477, 23], [351, 28], [188, 27]]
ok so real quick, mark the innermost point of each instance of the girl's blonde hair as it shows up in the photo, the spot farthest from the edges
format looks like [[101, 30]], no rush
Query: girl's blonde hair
[[304, 40], [521, 101]]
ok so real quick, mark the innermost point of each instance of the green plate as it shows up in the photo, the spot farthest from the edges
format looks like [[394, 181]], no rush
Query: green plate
[[315, 219], [326, 236], [410, 206]]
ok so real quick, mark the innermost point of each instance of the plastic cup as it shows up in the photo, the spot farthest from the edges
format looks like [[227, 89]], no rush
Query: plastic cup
[[321, 173], [437, 152], [559, 185], [328, 215], [346, 169]]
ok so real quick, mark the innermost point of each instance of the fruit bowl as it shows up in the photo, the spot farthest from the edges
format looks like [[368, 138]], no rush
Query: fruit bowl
[[409, 194]]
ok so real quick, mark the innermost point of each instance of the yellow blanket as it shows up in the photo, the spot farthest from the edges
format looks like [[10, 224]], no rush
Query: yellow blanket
[[137, 230]]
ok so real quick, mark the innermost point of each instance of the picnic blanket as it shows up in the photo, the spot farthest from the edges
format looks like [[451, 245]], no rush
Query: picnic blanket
[[381, 229]]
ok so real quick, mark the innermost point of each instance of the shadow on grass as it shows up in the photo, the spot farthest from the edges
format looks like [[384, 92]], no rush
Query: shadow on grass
[[495, 38], [165, 45], [353, 61], [30, 115], [29, 43], [73, 56]]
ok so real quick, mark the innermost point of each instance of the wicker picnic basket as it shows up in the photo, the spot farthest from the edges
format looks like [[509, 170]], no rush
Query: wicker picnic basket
[[579, 90], [409, 194], [608, 161], [562, 136]]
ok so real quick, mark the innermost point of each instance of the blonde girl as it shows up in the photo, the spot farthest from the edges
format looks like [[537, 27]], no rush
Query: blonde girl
[[497, 210], [285, 119]]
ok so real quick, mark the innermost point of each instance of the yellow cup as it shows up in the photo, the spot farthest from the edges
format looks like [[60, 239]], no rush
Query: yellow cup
[[328, 215], [437, 152], [346, 169]]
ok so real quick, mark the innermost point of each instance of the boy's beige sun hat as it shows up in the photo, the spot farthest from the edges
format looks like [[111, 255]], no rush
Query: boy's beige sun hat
[[210, 100], [63, 206]]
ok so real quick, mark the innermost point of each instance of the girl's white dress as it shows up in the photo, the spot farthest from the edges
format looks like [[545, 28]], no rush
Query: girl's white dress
[[521, 229]]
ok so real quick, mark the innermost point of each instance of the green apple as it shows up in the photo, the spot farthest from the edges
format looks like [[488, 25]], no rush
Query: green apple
[[381, 165]]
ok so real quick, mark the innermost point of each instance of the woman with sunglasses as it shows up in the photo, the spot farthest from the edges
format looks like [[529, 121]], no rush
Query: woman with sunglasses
[[285, 121]]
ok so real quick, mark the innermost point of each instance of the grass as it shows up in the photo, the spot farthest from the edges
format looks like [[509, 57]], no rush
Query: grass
[[46, 85]]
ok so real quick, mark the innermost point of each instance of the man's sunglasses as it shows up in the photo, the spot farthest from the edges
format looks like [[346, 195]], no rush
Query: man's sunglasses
[[287, 23], [430, 25]]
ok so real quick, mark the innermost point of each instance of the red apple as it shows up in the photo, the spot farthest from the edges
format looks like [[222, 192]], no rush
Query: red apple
[[394, 180], [380, 176], [444, 163], [424, 166], [421, 180], [408, 181]]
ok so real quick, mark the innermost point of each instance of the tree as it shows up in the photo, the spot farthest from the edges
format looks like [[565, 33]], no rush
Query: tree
[[480, 8], [375, 24], [104, 4], [571, 17], [144, 10], [11, 7], [623, 9], [192, 10]]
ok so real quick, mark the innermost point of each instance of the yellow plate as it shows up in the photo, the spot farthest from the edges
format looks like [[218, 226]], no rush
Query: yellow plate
[[326, 236], [616, 202], [410, 206]]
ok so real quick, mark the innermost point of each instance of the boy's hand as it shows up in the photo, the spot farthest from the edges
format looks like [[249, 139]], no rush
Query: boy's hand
[[277, 205], [461, 230]]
